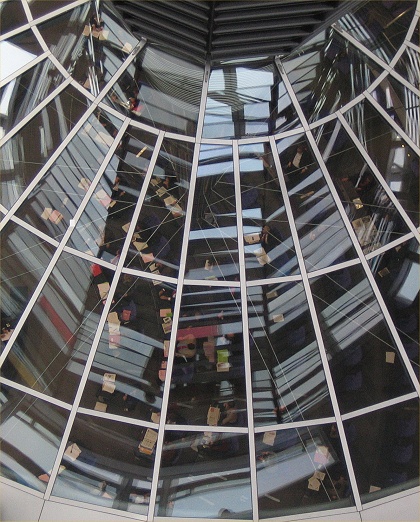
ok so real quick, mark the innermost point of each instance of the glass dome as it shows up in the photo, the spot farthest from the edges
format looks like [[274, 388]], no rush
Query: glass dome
[[210, 271]]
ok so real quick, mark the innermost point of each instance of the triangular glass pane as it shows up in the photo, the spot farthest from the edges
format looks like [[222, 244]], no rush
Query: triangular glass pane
[[268, 243], [300, 470], [395, 160], [57, 196], [157, 241], [373, 216], [213, 243], [100, 47], [365, 363], [384, 448], [41, 7], [12, 15], [17, 52], [23, 155], [24, 258], [28, 422], [124, 378], [99, 467], [323, 237], [102, 227], [155, 91], [408, 66], [288, 379], [51, 350], [323, 74], [248, 100], [401, 104], [397, 274], [209, 357]]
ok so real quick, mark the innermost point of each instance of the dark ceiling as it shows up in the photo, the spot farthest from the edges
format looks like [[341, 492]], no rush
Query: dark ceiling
[[219, 31]]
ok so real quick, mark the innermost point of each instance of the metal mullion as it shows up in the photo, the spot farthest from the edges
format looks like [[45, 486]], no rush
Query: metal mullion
[[115, 417], [88, 257], [10, 34], [28, 12], [413, 46], [413, 25], [245, 328], [34, 393], [24, 68], [368, 272], [390, 246], [317, 330], [392, 123], [60, 247], [380, 405], [363, 152], [405, 82], [137, 272], [296, 425], [35, 231], [105, 311], [177, 307], [273, 281], [328, 269], [35, 111], [60, 68], [58, 12], [39, 37]]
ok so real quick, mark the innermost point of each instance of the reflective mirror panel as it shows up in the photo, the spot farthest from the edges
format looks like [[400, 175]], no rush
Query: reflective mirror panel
[[206, 474], [213, 243], [397, 276], [248, 100], [27, 423], [327, 73], [101, 465], [364, 360], [380, 28], [63, 322], [24, 259], [373, 216], [268, 244], [323, 238], [395, 160], [300, 470], [132, 344], [162, 92], [209, 363], [23, 155], [58, 195], [288, 380], [157, 239], [384, 448]]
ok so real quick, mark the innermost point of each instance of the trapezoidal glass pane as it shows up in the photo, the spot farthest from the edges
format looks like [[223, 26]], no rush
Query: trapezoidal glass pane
[[288, 379], [27, 423]]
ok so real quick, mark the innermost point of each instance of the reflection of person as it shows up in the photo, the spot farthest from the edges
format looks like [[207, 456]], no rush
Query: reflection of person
[[230, 414], [299, 161]]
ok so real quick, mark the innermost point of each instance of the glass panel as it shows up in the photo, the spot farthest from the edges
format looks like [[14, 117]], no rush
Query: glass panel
[[100, 46], [211, 477], [323, 238], [408, 66], [247, 101], [365, 363], [395, 160], [381, 27], [209, 357], [12, 16], [373, 216], [23, 94], [269, 249], [103, 225], [24, 258], [100, 466], [301, 470], [397, 275], [22, 157], [384, 448], [57, 196], [213, 244], [130, 349], [50, 352], [287, 376], [28, 423], [401, 104], [327, 73], [161, 91], [41, 7], [157, 241], [17, 52]]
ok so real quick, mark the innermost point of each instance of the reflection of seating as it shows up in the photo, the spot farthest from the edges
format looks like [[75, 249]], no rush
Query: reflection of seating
[[401, 454], [353, 382]]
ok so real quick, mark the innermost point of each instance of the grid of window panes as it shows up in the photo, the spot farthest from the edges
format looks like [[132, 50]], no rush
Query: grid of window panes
[[196, 323]]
